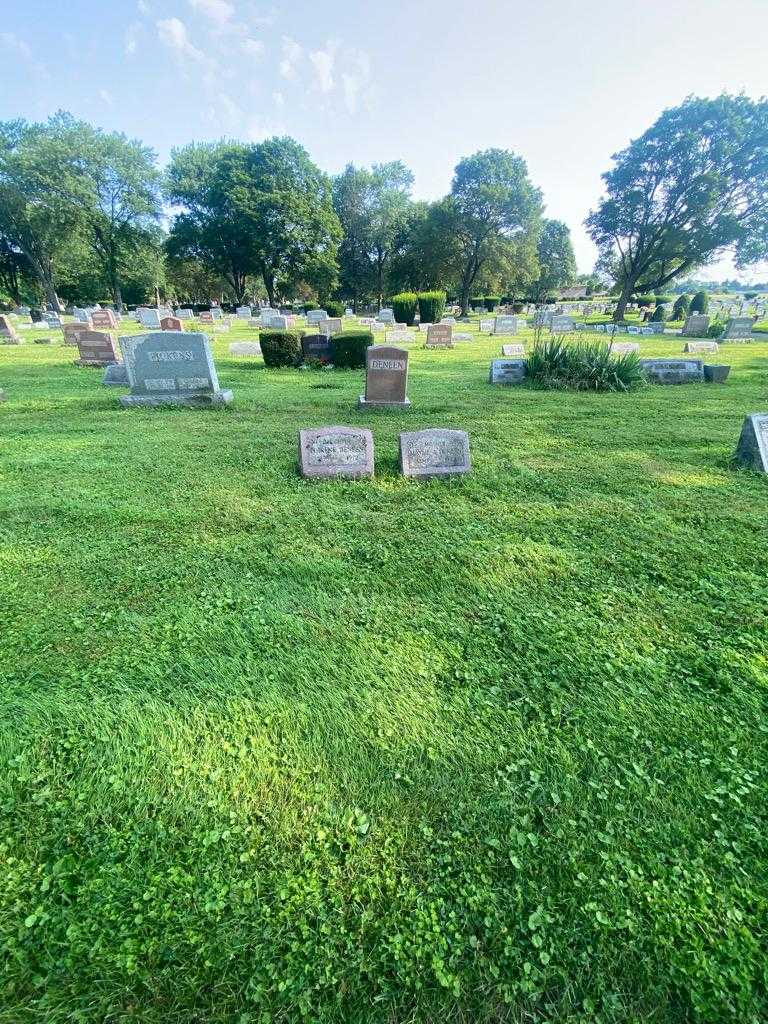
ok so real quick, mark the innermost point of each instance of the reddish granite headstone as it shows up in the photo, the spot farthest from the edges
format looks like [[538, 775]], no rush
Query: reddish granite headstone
[[206, 317], [386, 377], [103, 318], [171, 323], [440, 336], [97, 348], [8, 335], [72, 332]]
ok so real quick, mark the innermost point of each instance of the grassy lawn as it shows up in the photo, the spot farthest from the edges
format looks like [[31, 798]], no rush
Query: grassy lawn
[[483, 750]]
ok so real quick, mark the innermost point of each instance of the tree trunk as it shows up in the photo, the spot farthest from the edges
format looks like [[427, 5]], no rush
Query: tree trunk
[[627, 289], [269, 284], [117, 296]]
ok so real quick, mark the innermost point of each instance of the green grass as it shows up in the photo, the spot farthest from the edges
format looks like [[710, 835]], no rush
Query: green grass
[[472, 751]]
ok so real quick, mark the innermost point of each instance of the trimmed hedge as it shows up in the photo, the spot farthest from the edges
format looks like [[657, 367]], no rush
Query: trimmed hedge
[[348, 349], [680, 308], [280, 348], [491, 302], [431, 306], [699, 303], [404, 307], [334, 309], [659, 314]]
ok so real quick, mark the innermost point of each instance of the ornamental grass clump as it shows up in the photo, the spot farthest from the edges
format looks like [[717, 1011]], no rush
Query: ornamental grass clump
[[584, 366]]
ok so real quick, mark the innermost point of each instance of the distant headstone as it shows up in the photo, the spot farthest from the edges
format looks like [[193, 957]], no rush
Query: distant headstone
[[184, 314], [434, 452], [333, 325], [104, 318], [245, 348], [562, 324], [505, 325], [752, 449], [673, 371], [386, 316], [507, 371], [439, 336], [701, 346], [277, 322], [696, 325], [623, 348], [8, 335], [486, 325], [149, 318], [217, 313], [81, 315], [738, 328], [169, 368], [115, 376], [243, 312], [328, 452], [448, 320], [349, 311], [96, 348], [72, 332], [314, 316], [513, 350], [171, 323], [316, 346], [206, 317], [386, 378], [656, 326]]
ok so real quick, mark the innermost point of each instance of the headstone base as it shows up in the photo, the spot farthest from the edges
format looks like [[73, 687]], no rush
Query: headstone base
[[99, 363], [215, 399], [363, 404]]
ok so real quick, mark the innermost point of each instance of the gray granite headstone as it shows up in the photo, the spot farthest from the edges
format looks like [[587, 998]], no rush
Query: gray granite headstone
[[386, 378], [316, 346], [170, 368], [752, 449], [696, 325], [332, 325], [115, 376], [505, 325], [507, 371], [314, 316], [562, 324], [738, 328], [386, 316], [326, 452], [184, 313], [149, 318], [434, 452], [673, 371], [243, 312]]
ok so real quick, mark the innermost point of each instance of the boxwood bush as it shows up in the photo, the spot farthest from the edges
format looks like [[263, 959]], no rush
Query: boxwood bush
[[333, 308], [491, 302], [699, 303], [680, 308], [348, 349], [404, 307], [431, 306], [280, 348], [659, 314]]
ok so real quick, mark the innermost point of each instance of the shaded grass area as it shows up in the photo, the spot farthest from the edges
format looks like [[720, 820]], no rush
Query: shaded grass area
[[485, 750]]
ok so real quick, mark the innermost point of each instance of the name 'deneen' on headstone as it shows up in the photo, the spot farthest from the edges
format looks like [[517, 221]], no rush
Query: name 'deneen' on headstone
[[752, 449], [326, 452], [673, 371], [507, 371], [386, 378], [170, 368], [434, 452]]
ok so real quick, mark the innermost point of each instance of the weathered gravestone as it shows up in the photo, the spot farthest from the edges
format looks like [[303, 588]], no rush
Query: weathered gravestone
[[752, 449], [349, 311], [330, 326], [72, 332], [696, 325], [623, 348], [169, 368], [276, 322], [115, 376], [327, 452], [507, 371], [701, 346], [738, 328], [434, 452], [486, 325], [243, 312], [505, 325], [245, 348], [316, 346], [386, 378], [171, 323], [513, 350], [96, 348], [673, 371], [656, 326], [386, 316], [104, 318], [314, 316], [185, 314], [562, 324], [439, 336], [81, 315], [8, 335], [206, 317], [149, 318], [217, 313]]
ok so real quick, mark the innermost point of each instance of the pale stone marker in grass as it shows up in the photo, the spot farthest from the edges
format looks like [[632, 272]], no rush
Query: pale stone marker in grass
[[217, 313], [738, 328], [696, 325], [562, 324], [513, 350], [96, 348], [623, 348], [440, 336], [333, 325], [486, 325], [505, 325], [701, 346], [507, 371], [314, 316], [170, 368], [115, 376], [673, 371], [386, 378], [434, 452], [149, 318], [386, 316], [245, 348], [243, 312], [328, 452], [185, 314], [206, 317], [752, 449]]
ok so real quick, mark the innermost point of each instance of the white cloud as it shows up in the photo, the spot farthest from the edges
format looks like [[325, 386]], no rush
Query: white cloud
[[131, 39], [253, 47], [292, 54], [10, 41], [142, 7], [322, 61], [229, 110], [356, 80], [173, 34], [278, 99], [106, 97], [218, 12]]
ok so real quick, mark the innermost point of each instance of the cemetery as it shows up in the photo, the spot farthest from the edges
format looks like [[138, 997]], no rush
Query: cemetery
[[387, 650]]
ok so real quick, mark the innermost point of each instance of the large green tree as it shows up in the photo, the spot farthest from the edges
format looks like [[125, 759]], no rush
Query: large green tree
[[492, 200], [557, 264], [690, 188], [352, 199]]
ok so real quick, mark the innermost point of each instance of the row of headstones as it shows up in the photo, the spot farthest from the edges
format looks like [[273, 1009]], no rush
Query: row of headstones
[[659, 371], [347, 453]]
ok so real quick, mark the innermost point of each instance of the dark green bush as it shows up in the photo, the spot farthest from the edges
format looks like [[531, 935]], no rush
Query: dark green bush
[[404, 307], [280, 348], [680, 308], [750, 295], [584, 366], [348, 349], [645, 300], [659, 314], [716, 329], [699, 303], [664, 299], [333, 308], [478, 302], [491, 302], [431, 306]]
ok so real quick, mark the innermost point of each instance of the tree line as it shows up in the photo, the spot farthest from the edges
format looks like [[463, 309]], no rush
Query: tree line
[[87, 215]]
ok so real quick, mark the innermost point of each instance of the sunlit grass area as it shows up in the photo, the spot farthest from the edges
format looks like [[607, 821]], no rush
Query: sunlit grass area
[[491, 749]]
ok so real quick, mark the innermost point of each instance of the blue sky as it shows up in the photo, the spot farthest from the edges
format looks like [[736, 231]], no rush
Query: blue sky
[[564, 84]]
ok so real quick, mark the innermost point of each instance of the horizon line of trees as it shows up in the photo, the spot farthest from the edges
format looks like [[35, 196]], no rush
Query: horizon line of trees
[[83, 216]]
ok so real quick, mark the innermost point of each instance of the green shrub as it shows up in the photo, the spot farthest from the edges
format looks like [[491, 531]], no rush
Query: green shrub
[[478, 302], [699, 303], [348, 349], [431, 306], [680, 308], [584, 366], [664, 299], [334, 308], [491, 302], [645, 300], [715, 329], [404, 307], [280, 348], [750, 295], [659, 315]]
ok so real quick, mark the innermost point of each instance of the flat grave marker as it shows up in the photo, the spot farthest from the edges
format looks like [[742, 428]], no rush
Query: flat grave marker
[[245, 348], [507, 371], [336, 452], [513, 349], [701, 346], [436, 452], [673, 371]]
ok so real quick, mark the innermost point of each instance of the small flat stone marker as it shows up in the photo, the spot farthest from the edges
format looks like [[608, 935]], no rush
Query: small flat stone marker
[[336, 452], [434, 452], [513, 350], [752, 449], [701, 346], [673, 371], [386, 378], [245, 348], [115, 376], [507, 371], [624, 348]]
